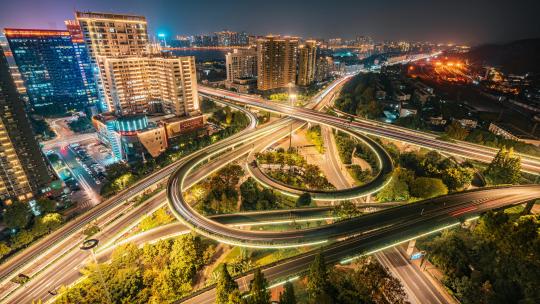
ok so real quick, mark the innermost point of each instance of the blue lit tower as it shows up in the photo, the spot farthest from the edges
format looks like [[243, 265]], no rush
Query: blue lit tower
[[48, 63]]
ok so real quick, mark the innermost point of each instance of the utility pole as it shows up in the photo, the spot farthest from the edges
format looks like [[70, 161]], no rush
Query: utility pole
[[89, 245]]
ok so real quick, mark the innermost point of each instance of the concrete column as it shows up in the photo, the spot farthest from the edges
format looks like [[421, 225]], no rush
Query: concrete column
[[367, 198], [529, 206], [410, 248]]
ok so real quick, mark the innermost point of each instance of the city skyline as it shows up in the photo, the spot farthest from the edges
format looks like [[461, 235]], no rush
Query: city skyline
[[458, 22]]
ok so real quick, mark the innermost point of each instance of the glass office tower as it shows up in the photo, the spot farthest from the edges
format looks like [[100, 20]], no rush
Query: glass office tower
[[50, 67]]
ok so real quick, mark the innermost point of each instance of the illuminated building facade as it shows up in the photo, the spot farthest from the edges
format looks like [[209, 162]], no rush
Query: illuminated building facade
[[23, 171], [83, 57], [276, 62], [324, 68], [142, 85], [241, 63], [131, 137], [307, 54], [15, 74], [112, 35], [48, 63]]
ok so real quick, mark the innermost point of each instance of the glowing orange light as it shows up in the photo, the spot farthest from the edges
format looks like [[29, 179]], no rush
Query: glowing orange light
[[438, 63], [10, 32]]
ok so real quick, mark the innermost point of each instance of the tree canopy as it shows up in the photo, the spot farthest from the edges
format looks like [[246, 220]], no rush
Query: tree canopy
[[505, 168]]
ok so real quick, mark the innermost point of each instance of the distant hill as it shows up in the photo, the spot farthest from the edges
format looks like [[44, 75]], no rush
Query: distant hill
[[516, 57]]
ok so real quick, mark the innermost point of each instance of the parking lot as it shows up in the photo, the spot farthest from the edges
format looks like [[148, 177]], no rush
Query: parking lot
[[85, 163]]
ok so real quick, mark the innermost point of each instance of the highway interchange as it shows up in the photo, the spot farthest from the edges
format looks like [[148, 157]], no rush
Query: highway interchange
[[66, 239]]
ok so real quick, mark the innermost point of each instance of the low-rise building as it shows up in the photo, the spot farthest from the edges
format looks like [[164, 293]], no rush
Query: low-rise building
[[131, 137], [401, 96], [510, 132]]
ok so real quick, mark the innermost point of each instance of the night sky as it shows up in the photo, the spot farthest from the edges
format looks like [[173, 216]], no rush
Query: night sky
[[469, 21]]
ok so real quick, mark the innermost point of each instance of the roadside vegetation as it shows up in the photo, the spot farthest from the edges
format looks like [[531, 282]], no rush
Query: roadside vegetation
[[292, 169], [160, 217], [81, 125], [486, 138], [220, 191], [505, 168], [425, 175], [358, 97], [313, 134], [494, 261], [27, 224], [348, 149], [156, 273]]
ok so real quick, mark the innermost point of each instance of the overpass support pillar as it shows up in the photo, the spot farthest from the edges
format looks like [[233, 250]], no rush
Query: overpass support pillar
[[410, 248], [529, 206]]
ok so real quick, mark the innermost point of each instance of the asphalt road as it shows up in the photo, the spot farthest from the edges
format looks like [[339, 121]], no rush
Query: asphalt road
[[206, 227], [389, 228], [464, 149]]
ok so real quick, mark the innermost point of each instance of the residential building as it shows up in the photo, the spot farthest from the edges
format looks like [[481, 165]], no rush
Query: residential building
[[240, 64], [15, 74], [113, 34], [227, 38], [48, 63], [508, 131], [204, 40], [276, 62], [24, 173], [324, 68], [307, 54], [143, 85]]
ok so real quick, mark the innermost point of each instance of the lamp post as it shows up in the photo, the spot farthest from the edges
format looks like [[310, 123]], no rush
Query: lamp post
[[292, 98], [89, 245]]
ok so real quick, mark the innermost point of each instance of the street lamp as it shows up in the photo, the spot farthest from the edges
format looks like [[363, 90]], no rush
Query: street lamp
[[292, 98], [89, 245]]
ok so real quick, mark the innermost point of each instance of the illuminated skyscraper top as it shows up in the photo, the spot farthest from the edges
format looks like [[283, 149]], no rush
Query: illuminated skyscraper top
[[113, 34]]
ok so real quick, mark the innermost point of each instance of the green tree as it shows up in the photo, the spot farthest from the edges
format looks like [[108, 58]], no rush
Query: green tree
[[17, 215], [346, 210], [505, 168], [235, 297], [397, 189], [426, 187], [258, 289], [456, 131], [21, 239], [373, 283], [250, 194], [4, 249], [225, 285], [228, 115], [318, 285], [303, 200], [457, 178], [287, 296], [47, 223], [158, 218], [46, 205]]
